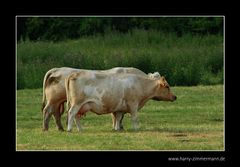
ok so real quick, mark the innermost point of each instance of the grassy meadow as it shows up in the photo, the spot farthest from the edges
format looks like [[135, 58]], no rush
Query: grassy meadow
[[195, 121]]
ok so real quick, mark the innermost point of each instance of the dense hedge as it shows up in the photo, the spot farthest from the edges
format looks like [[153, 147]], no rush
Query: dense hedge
[[61, 28], [185, 60]]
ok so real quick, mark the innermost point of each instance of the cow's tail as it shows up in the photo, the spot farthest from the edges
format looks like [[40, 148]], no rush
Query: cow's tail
[[45, 81], [67, 80]]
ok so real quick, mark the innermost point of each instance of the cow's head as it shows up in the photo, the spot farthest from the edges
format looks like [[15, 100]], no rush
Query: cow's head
[[163, 92]]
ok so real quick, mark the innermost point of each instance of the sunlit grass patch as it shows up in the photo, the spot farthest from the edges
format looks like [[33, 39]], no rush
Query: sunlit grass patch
[[195, 121]]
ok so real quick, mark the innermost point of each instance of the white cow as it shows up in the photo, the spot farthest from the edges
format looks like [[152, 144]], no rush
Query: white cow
[[112, 93], [54, 92]]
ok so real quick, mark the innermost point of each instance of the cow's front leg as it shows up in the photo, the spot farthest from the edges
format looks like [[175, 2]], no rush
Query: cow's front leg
[[134, 117]]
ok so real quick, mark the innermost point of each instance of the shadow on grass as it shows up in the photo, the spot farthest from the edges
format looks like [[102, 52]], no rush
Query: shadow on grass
[[162, 130], [177, 132]]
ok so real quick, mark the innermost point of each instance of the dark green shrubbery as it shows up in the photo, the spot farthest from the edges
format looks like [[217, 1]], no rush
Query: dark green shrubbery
[[62, 28], [185, 60]]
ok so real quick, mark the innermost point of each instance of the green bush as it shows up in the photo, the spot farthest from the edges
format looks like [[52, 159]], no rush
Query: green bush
[[62, 28], [209, 78], [185, 60]]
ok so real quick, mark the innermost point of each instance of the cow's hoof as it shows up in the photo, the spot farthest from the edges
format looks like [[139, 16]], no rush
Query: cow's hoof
[[118, 130], [61, 129], [44, 130]]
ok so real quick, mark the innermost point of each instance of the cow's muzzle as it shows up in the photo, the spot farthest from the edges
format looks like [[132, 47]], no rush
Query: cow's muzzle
[[174, 98]]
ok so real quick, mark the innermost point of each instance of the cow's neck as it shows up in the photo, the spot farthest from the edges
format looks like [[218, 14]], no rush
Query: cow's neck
[[149, 88]]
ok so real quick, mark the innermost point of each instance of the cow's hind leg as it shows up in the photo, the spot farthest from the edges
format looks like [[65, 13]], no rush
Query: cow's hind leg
[[57, 115], [71, 114], [119, 116], [61, 109], [47, 112], [113, 120], [77, 122], [121, 124], [75, 111]]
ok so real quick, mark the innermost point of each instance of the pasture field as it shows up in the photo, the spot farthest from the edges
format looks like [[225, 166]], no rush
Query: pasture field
[[195, 121]]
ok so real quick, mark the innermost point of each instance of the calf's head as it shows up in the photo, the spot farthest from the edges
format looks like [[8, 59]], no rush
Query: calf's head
[[163, 92]]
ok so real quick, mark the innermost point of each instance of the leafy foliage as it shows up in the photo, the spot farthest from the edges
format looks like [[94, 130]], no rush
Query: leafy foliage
[[61, 28], [185, 60]]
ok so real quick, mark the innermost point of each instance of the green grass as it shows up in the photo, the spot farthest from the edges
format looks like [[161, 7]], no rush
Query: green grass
[[189, 60], [194, 122]]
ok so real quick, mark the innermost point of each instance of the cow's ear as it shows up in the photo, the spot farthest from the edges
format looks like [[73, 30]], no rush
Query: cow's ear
[[161, 83]]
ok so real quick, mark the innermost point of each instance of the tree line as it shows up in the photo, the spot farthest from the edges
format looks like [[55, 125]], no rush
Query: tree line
[[61, 28]]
